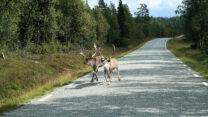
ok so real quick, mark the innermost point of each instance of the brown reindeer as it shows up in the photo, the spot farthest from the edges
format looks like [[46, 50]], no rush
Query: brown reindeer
[[94, 61]]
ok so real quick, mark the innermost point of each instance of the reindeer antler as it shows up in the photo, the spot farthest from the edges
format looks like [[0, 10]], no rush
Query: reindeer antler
[[81, 53], [100, 51], [95, 46], [114, 48]]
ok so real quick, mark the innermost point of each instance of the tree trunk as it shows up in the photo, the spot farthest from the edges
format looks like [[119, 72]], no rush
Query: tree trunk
[[2, 54], [70, 40], [199, 41], [66, 39]]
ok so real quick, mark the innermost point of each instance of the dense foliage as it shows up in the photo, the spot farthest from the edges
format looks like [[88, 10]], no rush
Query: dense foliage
[[166, 27], [48, 26], [194, 14]]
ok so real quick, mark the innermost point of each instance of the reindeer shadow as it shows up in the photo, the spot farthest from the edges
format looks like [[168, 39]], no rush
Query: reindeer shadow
[[85, 85]]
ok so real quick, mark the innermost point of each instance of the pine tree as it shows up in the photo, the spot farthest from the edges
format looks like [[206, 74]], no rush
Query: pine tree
[[76, 9], [38, 21], [114, 32], [88, 27], [121, 19], [124, 23], [143, 13], [9, 19], [102, 4], [143, 20], [77, 22], [102, 24]]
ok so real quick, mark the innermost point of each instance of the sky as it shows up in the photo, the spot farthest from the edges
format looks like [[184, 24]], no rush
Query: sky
[[157, 8]]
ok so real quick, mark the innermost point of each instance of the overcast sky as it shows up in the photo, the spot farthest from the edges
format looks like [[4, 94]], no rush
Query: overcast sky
[[157, 8]]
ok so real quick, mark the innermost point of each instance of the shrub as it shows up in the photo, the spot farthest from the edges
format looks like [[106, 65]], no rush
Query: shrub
[[58, 55], [193, 46], [124, 42], [44, 48]]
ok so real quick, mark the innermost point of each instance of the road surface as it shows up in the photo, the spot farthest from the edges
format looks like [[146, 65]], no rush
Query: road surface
[[154, 83]]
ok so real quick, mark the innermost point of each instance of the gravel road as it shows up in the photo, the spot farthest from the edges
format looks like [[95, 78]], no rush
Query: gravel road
[[154, 83]]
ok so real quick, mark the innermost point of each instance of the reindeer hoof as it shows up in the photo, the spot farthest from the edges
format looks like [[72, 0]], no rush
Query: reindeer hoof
[[108, 83], [119, 79]]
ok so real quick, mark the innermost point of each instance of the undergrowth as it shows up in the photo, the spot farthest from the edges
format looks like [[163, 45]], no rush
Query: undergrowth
[[197, 59]]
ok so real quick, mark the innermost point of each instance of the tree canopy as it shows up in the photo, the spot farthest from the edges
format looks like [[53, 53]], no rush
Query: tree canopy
[[39, 24], [195, 13]]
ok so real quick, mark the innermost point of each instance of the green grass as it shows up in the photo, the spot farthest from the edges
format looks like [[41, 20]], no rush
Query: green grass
[[22, 79], [197, 59]]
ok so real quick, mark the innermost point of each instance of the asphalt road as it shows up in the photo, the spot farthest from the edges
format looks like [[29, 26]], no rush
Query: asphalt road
[[154, 83]]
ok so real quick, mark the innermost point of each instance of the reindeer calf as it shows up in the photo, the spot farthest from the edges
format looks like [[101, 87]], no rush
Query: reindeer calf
[[110, 64]]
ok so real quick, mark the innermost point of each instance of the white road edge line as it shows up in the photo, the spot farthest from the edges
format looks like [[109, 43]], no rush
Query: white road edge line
[[205, 84], [70, 85], [45, 98], [196, 75]]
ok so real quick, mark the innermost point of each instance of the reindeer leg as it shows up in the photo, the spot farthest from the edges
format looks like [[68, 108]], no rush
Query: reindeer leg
[[96, 75], [95, 72], [92, 80], [109, 81], [110, 75], [105, 75], [118, 74], [93, 75]]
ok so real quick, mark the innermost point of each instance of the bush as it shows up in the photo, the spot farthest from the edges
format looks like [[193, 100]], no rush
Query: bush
[[66, 48], [58, 55], [124, 42], [193, 46], [44, 48]]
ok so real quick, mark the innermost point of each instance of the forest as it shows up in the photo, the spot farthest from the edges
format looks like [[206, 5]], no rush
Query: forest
[[194, 15], [50, 26]]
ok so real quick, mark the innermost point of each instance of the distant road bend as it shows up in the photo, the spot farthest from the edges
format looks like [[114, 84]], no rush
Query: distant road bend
[[154, 83]]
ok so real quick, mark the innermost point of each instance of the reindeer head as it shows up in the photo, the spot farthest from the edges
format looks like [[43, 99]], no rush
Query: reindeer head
[[90, 58], [106, 60]]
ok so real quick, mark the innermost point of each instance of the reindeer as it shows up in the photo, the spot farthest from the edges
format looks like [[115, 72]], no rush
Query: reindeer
[[94, 61], [110, 64]]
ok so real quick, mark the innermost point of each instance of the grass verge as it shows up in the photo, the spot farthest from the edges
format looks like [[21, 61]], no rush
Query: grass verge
[[23, 79], [197, 59]]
